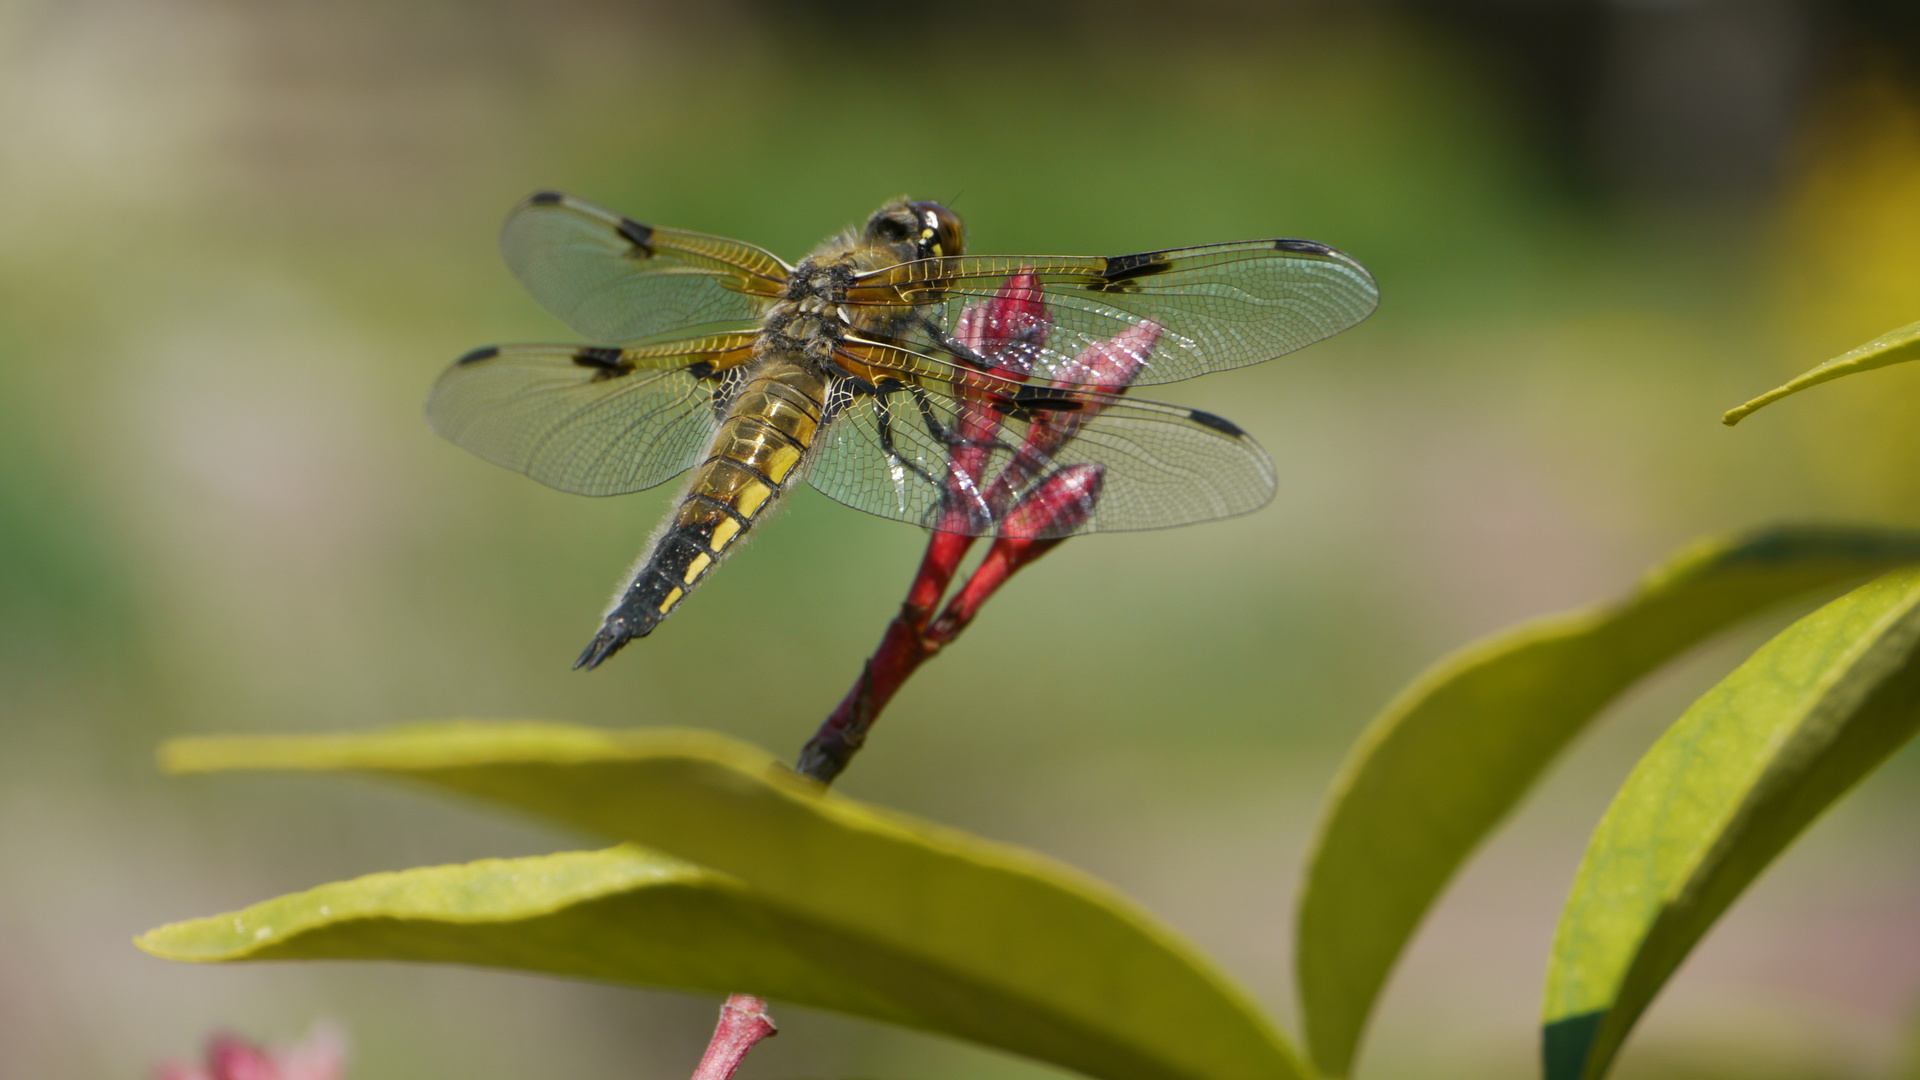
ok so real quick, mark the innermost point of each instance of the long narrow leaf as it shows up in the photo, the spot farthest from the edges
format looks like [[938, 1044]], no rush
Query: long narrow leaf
[[1728, 787], [625, 915], [1456, 751], [1031, 956], [1893, 347]]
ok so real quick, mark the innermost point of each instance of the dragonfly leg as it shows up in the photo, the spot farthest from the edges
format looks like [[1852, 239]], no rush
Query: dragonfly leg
[[954, 345], [943, 434], [883, 427]]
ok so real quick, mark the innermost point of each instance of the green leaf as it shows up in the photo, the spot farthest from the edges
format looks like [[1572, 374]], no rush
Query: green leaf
[[1456, 751], [1893, 347], [971, 938], [1722, 793], [625, 915]]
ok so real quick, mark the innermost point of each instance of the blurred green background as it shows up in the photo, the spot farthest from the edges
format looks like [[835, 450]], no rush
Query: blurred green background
[[239, 241]]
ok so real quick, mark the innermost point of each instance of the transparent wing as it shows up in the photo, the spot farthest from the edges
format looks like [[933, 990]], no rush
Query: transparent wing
[[611, 278], [947, 449], [1217, 307], [588, 419]]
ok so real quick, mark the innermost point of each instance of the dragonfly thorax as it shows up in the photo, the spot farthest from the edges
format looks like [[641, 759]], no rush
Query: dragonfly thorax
[[811, 319], [824, 282]]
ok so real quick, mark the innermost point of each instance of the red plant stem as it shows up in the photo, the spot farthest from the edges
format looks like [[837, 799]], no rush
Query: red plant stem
[[1004, 559], [903, 648], [743, 1022], [914, 636]]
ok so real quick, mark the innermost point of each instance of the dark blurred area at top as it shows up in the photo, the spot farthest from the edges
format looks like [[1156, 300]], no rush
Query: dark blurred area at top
[[1657, 99]]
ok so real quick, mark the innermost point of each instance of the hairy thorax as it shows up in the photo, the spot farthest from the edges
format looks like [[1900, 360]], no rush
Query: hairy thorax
[[813, 318]]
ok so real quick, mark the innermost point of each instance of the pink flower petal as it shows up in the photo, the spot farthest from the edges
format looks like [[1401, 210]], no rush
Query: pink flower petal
[[233, 1059], [322, 1055]]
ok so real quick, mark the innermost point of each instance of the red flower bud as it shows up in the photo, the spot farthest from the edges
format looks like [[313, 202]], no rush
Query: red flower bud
[[1058, 506], [1107, 366], [1004, 331], [1009, 328]]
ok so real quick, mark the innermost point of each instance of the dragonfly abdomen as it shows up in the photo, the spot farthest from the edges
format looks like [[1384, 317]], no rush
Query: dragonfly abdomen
[[754, 457]]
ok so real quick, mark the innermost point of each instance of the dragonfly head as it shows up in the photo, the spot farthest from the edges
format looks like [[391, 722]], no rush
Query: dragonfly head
[[916, 230]]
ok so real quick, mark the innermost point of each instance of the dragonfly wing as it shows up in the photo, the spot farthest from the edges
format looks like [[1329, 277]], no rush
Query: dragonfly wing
[[1216, 307], [612, 278], [591, 420], [942, 448]]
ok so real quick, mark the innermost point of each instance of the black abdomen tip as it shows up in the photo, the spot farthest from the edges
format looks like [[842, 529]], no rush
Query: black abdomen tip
[[614, 634]]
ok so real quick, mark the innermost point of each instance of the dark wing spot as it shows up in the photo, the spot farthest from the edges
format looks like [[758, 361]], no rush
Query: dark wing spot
[[606, 363], [700, 369], [641, 236], [1302, 247], [487, 352], [1039, 397], [545, 198], [598, 356], [1218, 423], [1023, 406], [1121, 268]]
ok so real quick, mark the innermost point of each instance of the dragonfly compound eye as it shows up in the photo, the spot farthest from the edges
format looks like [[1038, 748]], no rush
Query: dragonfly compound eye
[[938, 232]]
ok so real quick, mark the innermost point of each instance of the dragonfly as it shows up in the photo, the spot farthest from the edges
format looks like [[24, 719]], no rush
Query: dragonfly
[[891, 370]]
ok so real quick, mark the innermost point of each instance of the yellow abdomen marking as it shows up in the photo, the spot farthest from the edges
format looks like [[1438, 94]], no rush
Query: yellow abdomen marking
[[767, 450], [751, 498], [781, 462], [698, 566]]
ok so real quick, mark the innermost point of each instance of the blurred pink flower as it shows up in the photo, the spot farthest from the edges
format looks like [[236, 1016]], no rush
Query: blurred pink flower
[[322, 1055]]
